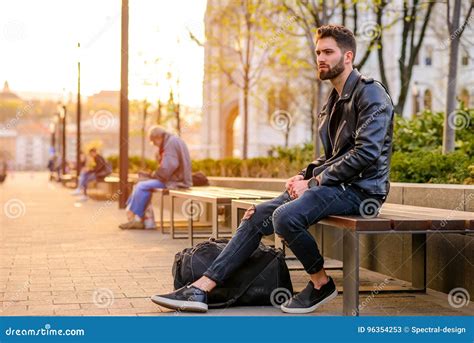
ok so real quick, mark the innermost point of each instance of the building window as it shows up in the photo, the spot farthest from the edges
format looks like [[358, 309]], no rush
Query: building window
[[428, 100], [465, 59], [429, 56]]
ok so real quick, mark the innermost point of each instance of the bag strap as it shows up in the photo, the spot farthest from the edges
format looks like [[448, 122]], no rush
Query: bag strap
[[243, 288]]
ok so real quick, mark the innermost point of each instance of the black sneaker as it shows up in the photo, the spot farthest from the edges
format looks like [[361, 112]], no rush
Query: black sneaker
[[310, 298], [187, 298]]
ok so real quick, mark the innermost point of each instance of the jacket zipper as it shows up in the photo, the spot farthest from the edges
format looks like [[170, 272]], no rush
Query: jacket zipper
[[339, 130]]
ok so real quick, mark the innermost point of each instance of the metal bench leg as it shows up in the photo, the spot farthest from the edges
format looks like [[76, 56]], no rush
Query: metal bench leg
[[418, 261], [234, 218], [172, 218], [162, 208], [351, 273], [215, 221], [190, 225]]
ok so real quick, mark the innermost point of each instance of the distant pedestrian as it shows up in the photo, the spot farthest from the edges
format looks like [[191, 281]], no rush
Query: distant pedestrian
[[100, 170]]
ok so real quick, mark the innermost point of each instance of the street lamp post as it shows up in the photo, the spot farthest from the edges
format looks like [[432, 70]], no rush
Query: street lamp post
[[78, 123], [145, 109], [123, 142], [62, 115]]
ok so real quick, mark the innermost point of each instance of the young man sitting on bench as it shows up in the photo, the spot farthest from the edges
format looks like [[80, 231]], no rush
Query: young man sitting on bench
[[356, 126]]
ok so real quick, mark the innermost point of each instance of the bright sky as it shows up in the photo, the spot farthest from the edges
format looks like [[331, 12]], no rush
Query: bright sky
[[38, 40]]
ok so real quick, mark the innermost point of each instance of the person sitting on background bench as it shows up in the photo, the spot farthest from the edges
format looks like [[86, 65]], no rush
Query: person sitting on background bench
[[3, 170], [175, 171], [82, 170], [356, 127], [100, 170]]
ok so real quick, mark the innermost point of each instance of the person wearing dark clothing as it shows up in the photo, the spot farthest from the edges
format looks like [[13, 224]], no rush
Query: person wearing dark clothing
[[100, 170], [3, 170], [356, 128]]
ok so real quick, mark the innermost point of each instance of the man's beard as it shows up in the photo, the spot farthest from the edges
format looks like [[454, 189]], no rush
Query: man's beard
[[332, 72]]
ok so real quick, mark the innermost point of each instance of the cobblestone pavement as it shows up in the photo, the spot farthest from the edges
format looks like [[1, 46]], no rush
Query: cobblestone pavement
[[62, 257]]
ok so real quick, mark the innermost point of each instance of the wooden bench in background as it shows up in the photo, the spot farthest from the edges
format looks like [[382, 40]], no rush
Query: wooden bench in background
[[214, 197]]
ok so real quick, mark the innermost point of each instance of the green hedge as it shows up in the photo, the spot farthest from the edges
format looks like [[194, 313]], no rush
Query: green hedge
[[425, 132], [418, 167], [432, 167], [134, 164], [416, 158]]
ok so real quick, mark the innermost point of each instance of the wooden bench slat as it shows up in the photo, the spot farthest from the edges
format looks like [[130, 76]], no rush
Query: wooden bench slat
[[358, 223], [435, 211], [402, 223], [435, 222], [442, 214]]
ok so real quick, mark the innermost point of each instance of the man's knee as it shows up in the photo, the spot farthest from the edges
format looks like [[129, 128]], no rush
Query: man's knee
[[249, 213], [140, 187], [254, 219], [284, 222]]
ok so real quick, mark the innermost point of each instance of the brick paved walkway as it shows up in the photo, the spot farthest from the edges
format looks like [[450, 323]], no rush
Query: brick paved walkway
[[59, 257]]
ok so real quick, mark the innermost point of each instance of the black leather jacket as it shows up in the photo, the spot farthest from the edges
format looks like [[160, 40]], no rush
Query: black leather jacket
[[358, 150]]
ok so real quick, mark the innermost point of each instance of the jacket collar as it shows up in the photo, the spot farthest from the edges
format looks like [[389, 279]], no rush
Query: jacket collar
[[349, 86], [166, 137]]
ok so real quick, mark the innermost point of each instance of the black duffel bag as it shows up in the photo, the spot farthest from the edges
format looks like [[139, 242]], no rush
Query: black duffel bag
[[264, 279]]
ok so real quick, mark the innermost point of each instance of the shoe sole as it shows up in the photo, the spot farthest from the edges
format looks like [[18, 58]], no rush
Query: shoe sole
[[132, 228], [309, 309], [190, 306]]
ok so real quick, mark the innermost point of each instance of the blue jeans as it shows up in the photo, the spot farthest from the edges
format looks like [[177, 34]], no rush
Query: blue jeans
[[289, 219], [138, 200], [85, 178]]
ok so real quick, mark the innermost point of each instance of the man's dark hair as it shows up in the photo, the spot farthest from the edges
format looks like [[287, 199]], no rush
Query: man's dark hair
[[342, 35], [92, 150]]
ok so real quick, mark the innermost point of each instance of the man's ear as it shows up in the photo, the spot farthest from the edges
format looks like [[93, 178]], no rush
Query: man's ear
[[348, 56]]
